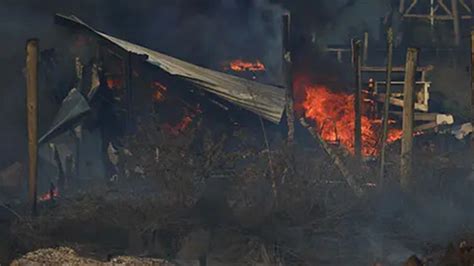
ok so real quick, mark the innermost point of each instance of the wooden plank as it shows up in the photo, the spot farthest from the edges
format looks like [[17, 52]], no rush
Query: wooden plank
[[287, 72], [386, 103], [408, 110], [32, 56], [380, 97]]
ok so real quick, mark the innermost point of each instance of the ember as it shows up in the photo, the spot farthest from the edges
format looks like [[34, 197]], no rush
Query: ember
[[333, 112], [182, 125], [49, 195], [240, 65], [159, 93], [114, 83]]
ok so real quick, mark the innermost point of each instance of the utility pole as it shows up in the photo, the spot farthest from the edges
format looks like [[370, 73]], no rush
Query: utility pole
[[408, 106], [386, 108], [356, 44], [32, 55], [287, 72]]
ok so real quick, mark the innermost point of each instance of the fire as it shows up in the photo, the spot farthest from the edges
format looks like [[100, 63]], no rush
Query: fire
[[240, 65], [182, 125], [49, 195], [334, 113], [159, 93], [114, 83]]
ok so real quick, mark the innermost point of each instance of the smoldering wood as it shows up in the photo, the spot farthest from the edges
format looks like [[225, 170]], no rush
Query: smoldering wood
[[350, 179], [386, 102], [408, 110], [32, 54]]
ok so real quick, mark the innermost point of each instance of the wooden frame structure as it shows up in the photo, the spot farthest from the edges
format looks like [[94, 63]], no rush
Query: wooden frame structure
[[457, 11]]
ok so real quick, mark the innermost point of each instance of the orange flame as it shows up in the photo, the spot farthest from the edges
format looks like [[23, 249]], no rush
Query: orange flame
[[159, 93], [334, 114], [240, 65]]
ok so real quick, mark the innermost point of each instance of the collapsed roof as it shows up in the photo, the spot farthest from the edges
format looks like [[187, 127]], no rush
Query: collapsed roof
[[264, 100]]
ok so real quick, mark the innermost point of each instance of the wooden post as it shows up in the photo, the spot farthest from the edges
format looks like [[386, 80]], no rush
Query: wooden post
[[68, 170], [456, 27], [402, 7], [128, 83], [356, 44], [472, 97], [287, 72], [32, 55], [386, 108], [366, 48], [59, 165], [408, 106]]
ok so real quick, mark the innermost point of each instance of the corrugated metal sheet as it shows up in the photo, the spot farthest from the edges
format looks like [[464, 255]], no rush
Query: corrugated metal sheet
[[261, 99]]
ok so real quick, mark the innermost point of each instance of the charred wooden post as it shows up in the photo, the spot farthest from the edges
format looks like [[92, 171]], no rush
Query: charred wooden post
[[356, 44], [408, 117], [472, 85], [32, 54], [456, 27], [386, 108], [59, 165], [287, 72]]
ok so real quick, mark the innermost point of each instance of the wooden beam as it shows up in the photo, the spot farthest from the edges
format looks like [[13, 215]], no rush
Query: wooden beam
[[356, 44], [32, 56], [456, 27], [408, 108], [351, 181], [287, 72], [395, 69], [386, 103]]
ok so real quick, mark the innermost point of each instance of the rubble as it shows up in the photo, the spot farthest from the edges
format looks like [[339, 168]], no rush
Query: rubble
[[67, 256]]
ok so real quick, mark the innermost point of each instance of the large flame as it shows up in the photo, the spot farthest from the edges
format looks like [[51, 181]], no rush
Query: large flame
[[334, 115], [240, 65]]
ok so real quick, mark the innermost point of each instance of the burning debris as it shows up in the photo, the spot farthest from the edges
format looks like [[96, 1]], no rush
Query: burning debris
[[333, 113], [159, 91], [240, 65]]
